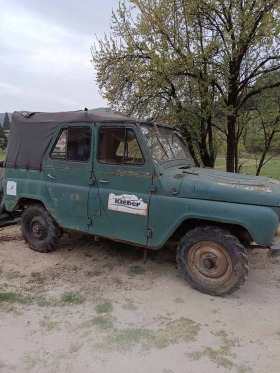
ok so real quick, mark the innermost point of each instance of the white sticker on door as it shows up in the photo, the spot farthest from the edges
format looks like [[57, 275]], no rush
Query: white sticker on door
[[128, 203], [11, 188]]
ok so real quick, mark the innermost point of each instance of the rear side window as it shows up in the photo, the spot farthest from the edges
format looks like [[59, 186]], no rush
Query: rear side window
[[119, 146], [73, 144]]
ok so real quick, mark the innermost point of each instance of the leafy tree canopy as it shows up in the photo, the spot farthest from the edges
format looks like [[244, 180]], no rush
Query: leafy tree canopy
[[6, 123], [3, 138], [191, 63]]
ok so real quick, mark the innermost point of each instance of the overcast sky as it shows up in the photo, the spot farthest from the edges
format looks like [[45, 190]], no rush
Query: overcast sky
[[45, 53]]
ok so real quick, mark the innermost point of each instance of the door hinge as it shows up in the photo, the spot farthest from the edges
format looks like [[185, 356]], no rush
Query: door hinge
[[153, 188], [149, 232], [89, 221], [92, 181]]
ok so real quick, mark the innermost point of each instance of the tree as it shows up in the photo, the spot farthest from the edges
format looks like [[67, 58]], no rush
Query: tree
[[3, 138], [249, 45], [193, 64], [6, 123], [143, 76], [263, 132]]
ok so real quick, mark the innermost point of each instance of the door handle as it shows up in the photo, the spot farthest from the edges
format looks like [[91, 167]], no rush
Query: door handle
[[103, 181], [51, 176]]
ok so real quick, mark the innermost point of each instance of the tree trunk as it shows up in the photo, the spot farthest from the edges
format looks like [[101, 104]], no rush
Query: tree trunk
[[189, 141], [268, 141], [231, 144], [191, 150], [206, 145], [236, 168]]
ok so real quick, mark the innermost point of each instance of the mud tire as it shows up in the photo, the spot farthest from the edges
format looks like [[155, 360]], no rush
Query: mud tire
[[39, 230], [212, 261]]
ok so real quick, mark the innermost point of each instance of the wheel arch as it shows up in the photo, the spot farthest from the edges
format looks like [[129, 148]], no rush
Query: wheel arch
[[24, 202], [237, 230], [167, 216]]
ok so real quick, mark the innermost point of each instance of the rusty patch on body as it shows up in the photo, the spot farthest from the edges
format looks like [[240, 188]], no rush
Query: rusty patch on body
[[75, 197], [255, 188], [122, 173]]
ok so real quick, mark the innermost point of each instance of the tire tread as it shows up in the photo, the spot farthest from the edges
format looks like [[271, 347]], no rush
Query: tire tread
[[54, 232], [221, 236]]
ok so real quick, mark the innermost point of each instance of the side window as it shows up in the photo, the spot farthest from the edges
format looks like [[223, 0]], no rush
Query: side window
[[119, 146], [59, 150], [73, 144]]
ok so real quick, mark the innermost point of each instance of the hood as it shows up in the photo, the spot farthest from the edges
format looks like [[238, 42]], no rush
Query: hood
[[200, 183]]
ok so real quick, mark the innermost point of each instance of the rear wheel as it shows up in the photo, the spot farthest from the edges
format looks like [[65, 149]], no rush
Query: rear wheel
[[212, 261], [39, 230]]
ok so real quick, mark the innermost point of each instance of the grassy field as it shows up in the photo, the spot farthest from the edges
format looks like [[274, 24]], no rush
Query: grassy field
[[2, 154], [271, 169]]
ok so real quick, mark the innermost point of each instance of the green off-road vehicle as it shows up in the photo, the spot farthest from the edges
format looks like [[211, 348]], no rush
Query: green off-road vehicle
[[136, 182]]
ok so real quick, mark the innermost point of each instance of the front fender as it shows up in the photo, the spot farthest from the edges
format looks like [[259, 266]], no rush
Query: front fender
[[166, 214]]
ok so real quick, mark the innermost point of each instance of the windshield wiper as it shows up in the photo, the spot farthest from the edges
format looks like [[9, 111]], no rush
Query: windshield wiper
[[184, 167]]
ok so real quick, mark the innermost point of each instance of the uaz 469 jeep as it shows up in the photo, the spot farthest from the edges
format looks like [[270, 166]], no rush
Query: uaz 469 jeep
[[135, 182]]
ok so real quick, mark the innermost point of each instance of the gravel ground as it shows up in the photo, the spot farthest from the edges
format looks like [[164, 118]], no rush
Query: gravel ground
[[95, 307]]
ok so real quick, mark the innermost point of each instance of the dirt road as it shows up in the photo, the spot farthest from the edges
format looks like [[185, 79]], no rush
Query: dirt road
[[95, 307]]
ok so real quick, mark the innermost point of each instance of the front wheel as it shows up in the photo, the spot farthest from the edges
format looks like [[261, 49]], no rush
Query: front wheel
[[39, 230], [212, 260]]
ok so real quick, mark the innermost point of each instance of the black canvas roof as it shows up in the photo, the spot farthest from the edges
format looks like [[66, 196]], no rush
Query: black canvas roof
[[92, 116], [31, 133]]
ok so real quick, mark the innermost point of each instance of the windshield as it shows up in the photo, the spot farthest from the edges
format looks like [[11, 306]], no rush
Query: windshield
[[166, 144]]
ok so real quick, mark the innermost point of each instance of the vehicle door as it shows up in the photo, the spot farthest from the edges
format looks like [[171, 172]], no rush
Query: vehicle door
[[68, 171], [124, 177]]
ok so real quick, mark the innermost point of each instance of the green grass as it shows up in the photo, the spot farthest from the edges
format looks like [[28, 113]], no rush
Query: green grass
[[176, 331], [2, 157], [104, 307], [14, 274], [35, 274], [126, 338], [93, 273], [11, 297], [71, 298], [271, 169], [222, 356], [135, 271], [2, 154], [181, 330], [104, 322]]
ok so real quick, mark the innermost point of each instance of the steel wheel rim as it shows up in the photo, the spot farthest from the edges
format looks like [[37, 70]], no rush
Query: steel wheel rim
[[38, 229], [209, 262]]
